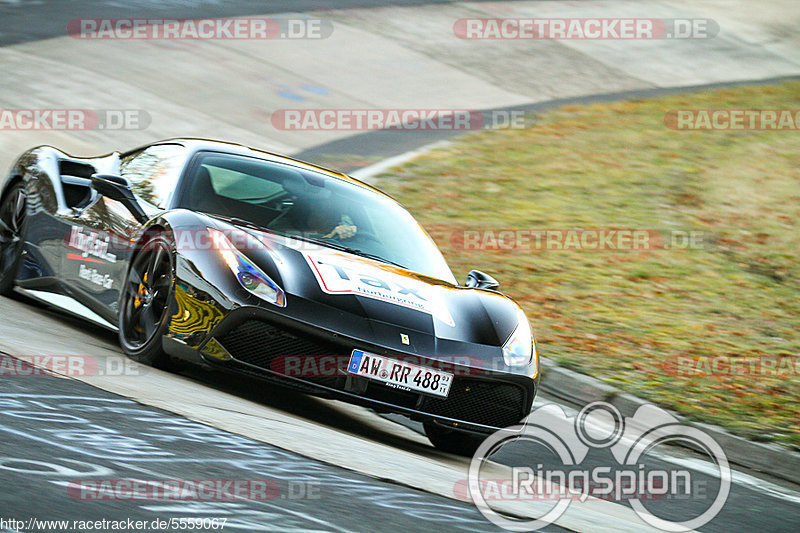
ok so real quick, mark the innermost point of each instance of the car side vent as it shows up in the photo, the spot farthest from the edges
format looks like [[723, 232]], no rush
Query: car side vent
[[73, 168], [75, 182]]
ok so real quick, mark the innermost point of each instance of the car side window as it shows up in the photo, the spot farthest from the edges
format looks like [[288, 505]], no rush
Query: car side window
[[153, 172]]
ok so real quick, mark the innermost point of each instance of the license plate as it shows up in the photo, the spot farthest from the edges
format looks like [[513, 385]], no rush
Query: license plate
[[400, 374]]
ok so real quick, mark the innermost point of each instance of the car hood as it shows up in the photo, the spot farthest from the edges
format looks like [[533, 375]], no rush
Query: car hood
[[367, 299], [394, 301]]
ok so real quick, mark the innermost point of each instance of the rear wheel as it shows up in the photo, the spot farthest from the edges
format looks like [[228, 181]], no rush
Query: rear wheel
[[13, 211], [452, 441], [144, 305]]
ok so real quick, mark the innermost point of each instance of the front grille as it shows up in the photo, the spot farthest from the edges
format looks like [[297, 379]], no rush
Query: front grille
[[481, 402], [264, 375], [261, 344]]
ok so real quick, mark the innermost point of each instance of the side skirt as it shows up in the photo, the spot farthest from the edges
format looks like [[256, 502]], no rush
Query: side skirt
[[68, 305]]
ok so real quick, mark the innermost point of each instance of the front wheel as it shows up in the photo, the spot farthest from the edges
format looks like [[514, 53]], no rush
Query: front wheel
[[452, 441], [144, 303]]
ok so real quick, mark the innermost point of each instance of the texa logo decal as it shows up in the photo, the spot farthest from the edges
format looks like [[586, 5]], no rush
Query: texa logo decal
[[339, 274]]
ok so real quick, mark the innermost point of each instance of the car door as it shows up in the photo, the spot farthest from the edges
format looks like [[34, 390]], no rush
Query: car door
[[100, 241]]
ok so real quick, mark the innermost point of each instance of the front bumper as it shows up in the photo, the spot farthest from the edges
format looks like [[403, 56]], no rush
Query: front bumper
[[314, 361]]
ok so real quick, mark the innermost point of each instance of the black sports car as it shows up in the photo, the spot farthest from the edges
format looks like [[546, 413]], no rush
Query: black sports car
[[220, 255]]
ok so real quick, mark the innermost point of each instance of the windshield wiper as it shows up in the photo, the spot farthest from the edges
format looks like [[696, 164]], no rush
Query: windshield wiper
[[376, 257], [354, 251]]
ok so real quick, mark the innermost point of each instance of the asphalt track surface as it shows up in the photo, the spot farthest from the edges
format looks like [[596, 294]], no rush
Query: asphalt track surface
[[55, 431], [58, 431], [43, 19]]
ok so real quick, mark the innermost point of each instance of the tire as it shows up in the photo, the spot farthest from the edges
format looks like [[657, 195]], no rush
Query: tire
[[13, 220], [145, 302], [452, 441]]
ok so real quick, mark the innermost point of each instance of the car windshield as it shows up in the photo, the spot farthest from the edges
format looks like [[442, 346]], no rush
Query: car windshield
[[297, 202]]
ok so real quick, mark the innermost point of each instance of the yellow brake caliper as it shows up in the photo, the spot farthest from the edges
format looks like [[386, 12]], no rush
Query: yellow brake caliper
[[140, 292]]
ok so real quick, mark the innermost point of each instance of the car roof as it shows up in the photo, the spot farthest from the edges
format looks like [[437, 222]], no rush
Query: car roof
[[196, 144]]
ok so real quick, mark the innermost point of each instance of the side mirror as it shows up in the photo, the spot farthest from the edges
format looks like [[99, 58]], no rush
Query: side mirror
[[478, 280], [117, 188]]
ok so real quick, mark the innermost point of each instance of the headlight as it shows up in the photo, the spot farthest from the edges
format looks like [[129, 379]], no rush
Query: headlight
[[519, 349], [249, 275]]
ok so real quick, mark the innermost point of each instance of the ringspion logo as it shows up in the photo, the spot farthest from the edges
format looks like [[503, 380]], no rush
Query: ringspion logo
[[598, 425]]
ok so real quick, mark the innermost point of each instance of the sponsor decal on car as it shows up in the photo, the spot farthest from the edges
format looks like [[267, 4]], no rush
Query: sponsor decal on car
[[338, 273], [93, 276], [91, 244]]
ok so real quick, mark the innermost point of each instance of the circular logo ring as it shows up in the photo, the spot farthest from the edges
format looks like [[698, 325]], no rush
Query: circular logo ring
[[584, 434]]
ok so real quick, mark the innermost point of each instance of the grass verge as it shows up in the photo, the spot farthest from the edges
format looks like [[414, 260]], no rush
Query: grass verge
[[709, 329]]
